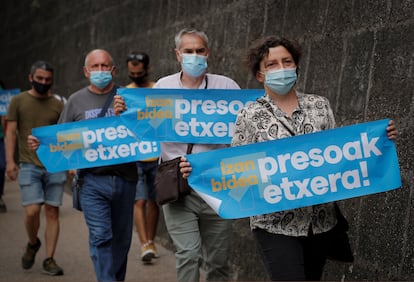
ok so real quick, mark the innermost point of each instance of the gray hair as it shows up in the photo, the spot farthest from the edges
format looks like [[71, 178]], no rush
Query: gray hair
[[41, 65], [193, 31], [96, 50]]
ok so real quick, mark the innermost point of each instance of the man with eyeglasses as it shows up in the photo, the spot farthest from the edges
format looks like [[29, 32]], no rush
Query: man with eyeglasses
[[198, 233], [196, 230], [146, 210], [107, 194]]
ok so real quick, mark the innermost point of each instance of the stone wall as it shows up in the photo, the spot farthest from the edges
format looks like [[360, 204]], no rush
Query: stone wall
[[358, 53]]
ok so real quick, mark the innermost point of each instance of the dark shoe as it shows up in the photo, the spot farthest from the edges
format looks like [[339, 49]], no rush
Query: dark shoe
[[51, 268], [28, 258], [3, 207]]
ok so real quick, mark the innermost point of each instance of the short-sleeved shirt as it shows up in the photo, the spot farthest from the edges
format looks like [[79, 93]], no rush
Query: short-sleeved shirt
[[85, 104], [150, 84], [171, 150], [30, 112], [262, 121]]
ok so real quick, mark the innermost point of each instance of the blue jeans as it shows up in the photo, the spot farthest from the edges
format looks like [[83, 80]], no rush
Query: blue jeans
[[38, 186], [108, 203]]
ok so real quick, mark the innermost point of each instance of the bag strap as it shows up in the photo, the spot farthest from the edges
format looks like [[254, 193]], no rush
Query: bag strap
[[205, 87], [264, 103], [82, 172], [189, 148], [108, 101]]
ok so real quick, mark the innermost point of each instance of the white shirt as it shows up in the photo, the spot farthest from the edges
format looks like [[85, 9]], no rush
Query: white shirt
[[170, 150]]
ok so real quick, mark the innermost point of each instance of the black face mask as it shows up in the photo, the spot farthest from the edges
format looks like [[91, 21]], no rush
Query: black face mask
[[41, 88], [139, 80]]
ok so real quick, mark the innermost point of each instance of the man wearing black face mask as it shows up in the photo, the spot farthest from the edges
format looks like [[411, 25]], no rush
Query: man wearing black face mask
[[138, 68], [41, 88], [146, 209], [29, 109]]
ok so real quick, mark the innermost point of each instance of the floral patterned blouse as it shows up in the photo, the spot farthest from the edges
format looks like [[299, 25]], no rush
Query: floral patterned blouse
[[263, 121]]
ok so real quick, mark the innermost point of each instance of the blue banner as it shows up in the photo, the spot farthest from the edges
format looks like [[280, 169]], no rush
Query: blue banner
[[90, 143], [185, 115], [5, 96], [299, 171]]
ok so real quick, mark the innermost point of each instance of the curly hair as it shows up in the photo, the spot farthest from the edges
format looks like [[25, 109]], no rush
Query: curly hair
[[260, 49]]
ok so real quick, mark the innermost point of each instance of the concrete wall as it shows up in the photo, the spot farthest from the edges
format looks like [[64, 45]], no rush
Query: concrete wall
[[359, 54]]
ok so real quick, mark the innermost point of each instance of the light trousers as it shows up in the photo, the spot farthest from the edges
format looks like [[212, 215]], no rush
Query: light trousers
[[199, 236]]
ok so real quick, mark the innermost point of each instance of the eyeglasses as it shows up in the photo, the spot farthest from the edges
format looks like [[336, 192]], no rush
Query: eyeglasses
[[137, 57]]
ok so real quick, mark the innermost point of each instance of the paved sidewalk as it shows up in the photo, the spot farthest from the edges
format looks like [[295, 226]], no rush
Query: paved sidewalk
[[72, 250]]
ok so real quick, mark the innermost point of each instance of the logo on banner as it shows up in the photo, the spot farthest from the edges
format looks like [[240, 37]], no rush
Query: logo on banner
[[257, 170], [175, 107], [295, 172], [100, 144]]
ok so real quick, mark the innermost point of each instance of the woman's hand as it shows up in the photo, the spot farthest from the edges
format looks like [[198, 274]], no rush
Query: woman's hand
[[185, 168], [392, 130], [119, 105]]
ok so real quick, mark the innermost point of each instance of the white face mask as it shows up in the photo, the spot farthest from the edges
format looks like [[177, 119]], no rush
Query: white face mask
[[193, 64], [281, 81]]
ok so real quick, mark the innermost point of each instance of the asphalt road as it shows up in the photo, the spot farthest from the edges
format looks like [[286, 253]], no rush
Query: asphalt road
[[72, 250]]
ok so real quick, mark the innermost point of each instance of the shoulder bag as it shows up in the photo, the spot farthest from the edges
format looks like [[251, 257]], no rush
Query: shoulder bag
[[169, 183], [338, 241]]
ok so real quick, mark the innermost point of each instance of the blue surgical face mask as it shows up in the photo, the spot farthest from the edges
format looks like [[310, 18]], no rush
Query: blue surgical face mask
[[281, 81], [100, 79], [194, 65]]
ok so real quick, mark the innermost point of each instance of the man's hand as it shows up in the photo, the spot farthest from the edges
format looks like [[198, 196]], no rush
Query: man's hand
[[119, 105], [32, 142], [185, 168], [12, 171]]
